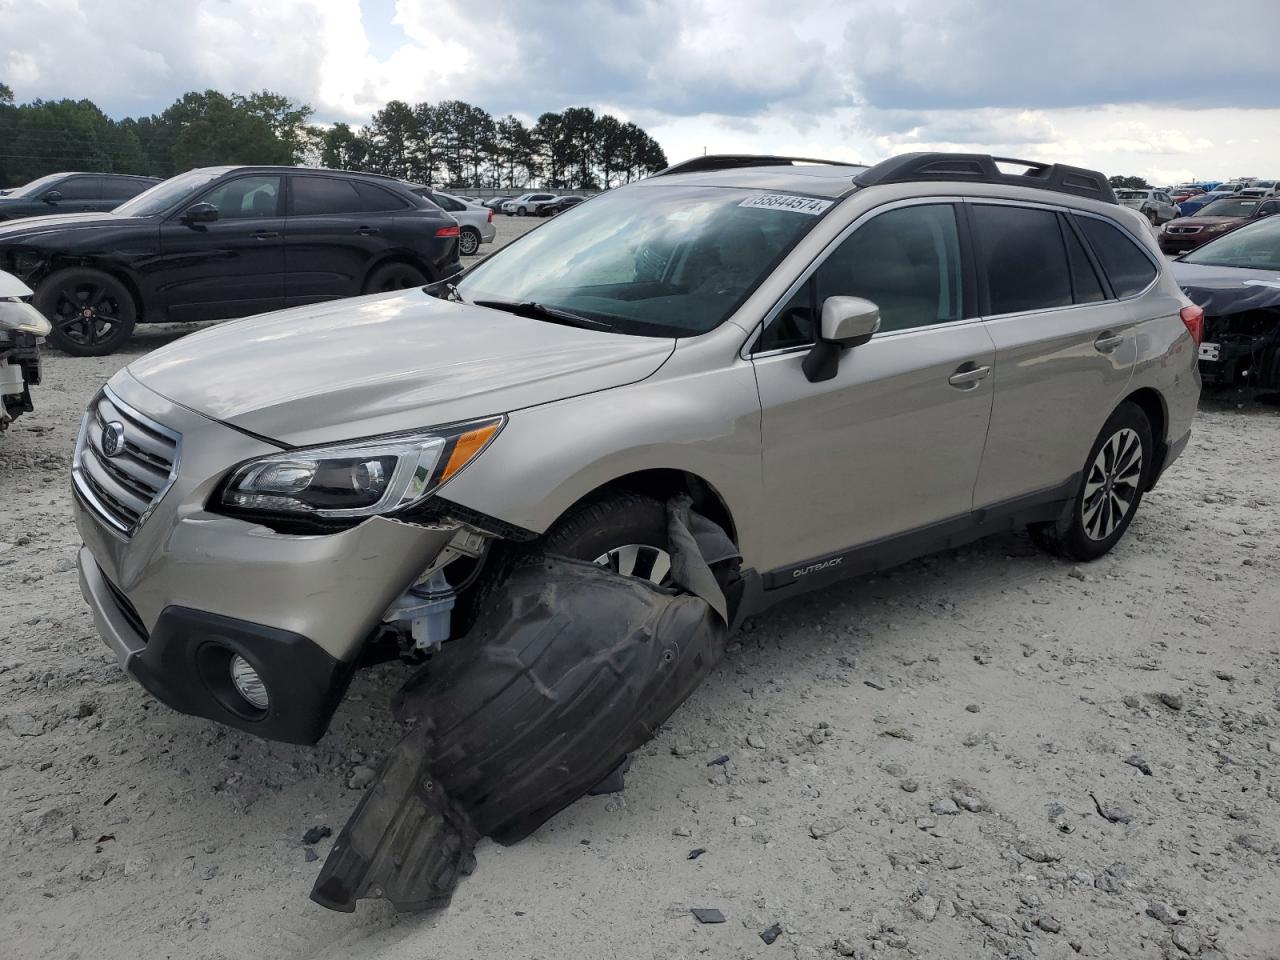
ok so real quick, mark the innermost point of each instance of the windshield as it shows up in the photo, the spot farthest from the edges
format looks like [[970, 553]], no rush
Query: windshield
[[653, 260], [1131, 194], [35, 186], [165, 195], [1256, 245], [1227, 207]]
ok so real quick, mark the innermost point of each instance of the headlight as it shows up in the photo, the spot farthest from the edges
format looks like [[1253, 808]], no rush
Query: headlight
[[358, 479], [22, 318]]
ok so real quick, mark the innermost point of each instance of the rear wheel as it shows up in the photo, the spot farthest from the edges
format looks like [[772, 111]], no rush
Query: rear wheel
[[92, 313], [1115, 477], [468, 241], [394, 276]]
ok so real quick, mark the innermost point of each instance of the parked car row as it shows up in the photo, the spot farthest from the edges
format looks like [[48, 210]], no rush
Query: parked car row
[[225, 242], [71, 193]]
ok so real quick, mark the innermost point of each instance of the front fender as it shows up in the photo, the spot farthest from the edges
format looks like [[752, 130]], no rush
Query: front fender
[[547, 458]]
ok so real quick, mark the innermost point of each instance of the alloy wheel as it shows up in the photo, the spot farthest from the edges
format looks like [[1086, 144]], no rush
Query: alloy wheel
[[637, 560], [86, 314], [468, 243], [1111, 486]]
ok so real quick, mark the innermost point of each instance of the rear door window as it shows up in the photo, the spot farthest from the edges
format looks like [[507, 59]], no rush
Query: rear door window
[[1024, 258], [376, 199], [320, 196], [1085, 285], [1128, 268], [122, 188]]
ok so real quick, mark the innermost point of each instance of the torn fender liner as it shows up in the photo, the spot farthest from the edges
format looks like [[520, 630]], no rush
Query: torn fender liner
[[405, 842], [569, 668]]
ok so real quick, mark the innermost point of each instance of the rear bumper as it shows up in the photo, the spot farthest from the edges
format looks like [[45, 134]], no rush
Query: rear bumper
[[185, 663]]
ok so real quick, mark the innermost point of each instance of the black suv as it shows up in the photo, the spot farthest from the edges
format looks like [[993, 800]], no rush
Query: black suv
[[226, 242], [72, 193]]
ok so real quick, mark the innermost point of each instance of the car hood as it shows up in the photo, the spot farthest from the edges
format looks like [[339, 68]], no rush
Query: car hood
[[1222, 291], [1206, 221], [32, 228], [386, 363]]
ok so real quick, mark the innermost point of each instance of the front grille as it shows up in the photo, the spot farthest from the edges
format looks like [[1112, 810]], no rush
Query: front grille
[[1182, 231], [123, 488], [127, 609]]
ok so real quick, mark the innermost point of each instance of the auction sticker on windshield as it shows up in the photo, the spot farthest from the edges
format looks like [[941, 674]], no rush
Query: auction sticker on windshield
[[782, 201]]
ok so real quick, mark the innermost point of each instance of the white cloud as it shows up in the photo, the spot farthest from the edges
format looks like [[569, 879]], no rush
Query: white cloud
[[832, 78]]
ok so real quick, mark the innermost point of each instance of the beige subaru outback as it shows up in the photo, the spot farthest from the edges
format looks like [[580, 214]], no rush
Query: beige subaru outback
[[841, 367]]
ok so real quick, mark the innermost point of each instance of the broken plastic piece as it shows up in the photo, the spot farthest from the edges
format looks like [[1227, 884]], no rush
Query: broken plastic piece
[[568, 668], [771, 934], [707, 914]]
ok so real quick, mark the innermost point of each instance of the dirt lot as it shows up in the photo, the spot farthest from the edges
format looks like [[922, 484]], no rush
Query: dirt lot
[[985, 753]]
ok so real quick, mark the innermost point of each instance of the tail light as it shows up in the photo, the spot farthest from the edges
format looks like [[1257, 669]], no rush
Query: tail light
[[491, 214], [448, 231], [1193, 317]]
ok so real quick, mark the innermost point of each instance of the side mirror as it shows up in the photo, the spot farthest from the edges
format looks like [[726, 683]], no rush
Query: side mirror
[[846, 322], [200, 213], [53, 196]]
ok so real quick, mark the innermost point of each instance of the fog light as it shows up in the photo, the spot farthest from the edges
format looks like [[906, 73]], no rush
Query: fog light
[[247, 682]]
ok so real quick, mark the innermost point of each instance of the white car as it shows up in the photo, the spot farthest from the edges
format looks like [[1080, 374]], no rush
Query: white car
[[1261, 188], [475, 222], [22, 328], [523, 205]]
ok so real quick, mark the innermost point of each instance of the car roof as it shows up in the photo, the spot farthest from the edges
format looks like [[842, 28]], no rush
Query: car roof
[[279, 168]]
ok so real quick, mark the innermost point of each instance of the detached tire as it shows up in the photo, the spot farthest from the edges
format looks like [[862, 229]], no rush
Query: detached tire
[[92, 313], [394, 276], [1114, 479]]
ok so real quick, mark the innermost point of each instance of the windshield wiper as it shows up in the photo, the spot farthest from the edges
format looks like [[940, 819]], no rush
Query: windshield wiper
[[540, 311]]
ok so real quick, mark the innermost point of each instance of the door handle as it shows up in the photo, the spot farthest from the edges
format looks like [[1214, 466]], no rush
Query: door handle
[[366, 231], [968, 376], [265, 234], [1107, 342]]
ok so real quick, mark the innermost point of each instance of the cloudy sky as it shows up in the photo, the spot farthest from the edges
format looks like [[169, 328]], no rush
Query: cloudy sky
[[1168, 89]]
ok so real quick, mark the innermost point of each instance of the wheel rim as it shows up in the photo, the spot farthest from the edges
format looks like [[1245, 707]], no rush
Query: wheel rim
[[469, 243], [638, 560], [86, 314], [400, 280], [1111, 486]]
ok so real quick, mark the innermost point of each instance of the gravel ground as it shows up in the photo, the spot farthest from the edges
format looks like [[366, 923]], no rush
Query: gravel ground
[[983, 753]]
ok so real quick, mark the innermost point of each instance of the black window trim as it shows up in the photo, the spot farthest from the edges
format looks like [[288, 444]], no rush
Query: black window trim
[[968, 268]]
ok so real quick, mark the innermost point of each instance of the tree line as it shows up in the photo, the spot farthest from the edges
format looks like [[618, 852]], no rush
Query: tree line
[[459, 145], [449, 144]]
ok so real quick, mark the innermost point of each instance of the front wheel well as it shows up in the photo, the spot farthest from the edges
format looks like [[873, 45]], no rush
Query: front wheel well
[[123, 276], [663, 484]]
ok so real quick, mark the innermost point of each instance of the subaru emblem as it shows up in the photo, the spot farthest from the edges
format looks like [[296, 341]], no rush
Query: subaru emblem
[[113, 438]]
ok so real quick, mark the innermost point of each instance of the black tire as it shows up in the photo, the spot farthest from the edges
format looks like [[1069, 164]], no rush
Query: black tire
[[587, 532], [394, 276], [1153, 217], [469, 241], [521, 212], [1096, 522], [92, 312]]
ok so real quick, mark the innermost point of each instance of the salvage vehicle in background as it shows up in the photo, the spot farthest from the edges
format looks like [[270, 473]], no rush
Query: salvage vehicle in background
[[21, 330], [1236, 281], [225, 242], [549, 208], [1214, 220], [1192, 205], [475, 223], [523, 204], [566, 475], [72, 193], [1155, 205]]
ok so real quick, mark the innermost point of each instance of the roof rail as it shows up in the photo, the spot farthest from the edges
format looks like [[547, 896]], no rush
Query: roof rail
[[727, 161], [981, 168]]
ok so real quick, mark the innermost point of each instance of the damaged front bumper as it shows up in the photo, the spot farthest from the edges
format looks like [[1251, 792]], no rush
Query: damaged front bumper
[[189, 589]]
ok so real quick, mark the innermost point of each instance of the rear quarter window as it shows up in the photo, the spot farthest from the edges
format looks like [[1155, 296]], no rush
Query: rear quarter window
[[1124, 262]]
